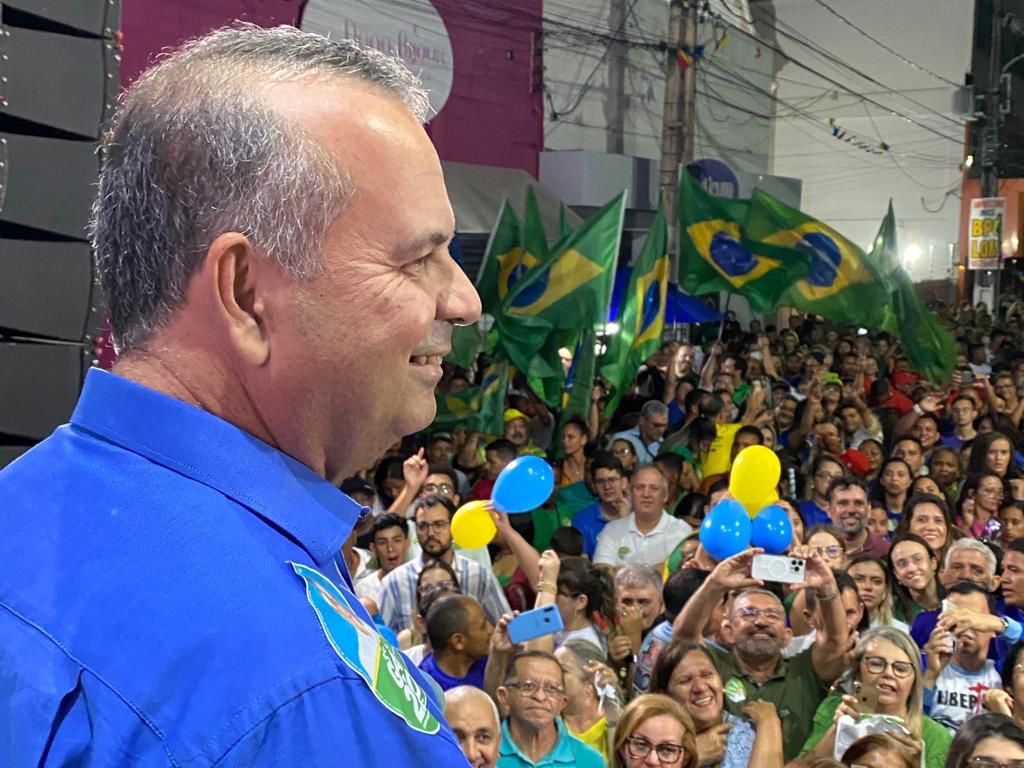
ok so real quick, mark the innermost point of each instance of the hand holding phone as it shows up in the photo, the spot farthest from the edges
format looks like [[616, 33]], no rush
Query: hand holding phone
[[533, 624]]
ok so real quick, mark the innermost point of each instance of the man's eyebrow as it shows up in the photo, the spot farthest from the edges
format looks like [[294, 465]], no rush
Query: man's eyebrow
[[425, 241]]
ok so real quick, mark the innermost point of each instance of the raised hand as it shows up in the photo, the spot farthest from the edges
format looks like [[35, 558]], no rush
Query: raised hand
[[415, 470], [734, 572]]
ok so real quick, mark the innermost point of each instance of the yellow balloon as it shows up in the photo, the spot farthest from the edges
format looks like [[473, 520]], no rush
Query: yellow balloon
[[754, 475], [753, 508], [472, 526]]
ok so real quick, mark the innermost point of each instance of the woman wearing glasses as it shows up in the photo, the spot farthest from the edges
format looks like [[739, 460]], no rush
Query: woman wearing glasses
[[912, 577], [626, 453], [980, 499], [828, 545], [686, 672], [653, 723], [885, 662]]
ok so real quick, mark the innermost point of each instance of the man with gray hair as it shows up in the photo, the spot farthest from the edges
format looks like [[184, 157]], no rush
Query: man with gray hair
[[647, 435], [473, 717], [648, 534], [271, 234]]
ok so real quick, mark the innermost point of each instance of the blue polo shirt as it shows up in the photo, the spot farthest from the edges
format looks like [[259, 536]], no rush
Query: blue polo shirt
[[590, 522], [568, 750], [170, 595]]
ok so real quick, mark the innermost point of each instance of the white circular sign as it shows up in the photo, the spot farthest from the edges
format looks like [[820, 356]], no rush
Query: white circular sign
[[413, 31]]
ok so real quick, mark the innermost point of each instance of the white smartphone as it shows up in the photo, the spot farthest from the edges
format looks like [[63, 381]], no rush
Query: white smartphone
[[780, 568]]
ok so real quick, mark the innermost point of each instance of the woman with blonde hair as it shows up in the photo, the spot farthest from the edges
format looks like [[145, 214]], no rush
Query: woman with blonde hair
[[885, 661], [654, 723]]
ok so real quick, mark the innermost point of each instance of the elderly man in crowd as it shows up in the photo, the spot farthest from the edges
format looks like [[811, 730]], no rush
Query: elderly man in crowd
[[753, 667], [648, 534], [271, 235], [473, 717], [647, 435], [533, 694]]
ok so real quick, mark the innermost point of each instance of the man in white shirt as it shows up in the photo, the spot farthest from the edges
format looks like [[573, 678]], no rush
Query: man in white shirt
[[648, 534], [390, 545]]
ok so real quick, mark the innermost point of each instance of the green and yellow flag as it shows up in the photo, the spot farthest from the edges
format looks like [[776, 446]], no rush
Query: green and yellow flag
[[502, 255], [478, 409], [841, 283], [714, 254], [571, 289], [641, 317]]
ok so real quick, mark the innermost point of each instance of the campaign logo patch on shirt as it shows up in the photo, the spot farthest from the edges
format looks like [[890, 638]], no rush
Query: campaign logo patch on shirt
[[735, 691], [623, 552], [360, 646]]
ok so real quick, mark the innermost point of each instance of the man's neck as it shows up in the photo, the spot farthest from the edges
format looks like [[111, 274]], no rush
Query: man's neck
[[973, 662], [646, 523], [453, 663], [448, 556], [857, 540], [966, 432], [612, 510], [760, 668], [535, 743]]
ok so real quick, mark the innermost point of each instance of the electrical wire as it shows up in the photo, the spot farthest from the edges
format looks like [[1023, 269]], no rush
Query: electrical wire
[[885, 47]]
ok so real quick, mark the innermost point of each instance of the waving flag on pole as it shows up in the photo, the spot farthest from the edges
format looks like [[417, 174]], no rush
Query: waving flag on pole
[[641, 320], [841, 284], [715, 255], [478, 409]]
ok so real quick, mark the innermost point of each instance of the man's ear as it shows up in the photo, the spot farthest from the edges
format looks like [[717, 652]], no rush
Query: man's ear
[[458, 642], [727, 634], [236, 271]]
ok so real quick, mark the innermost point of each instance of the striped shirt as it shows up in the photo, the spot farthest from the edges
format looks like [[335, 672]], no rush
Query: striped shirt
[[398, 591]]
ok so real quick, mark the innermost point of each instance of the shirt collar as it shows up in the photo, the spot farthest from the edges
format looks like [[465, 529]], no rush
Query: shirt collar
[[219, 455], [562, 752], [659, 528]]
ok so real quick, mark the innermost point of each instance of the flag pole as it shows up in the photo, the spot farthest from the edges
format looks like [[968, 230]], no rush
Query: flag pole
[[721, 328]]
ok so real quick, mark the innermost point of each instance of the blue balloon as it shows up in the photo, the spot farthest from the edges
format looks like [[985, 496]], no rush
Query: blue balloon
[[524, 484], [771, 530], [726, 530]]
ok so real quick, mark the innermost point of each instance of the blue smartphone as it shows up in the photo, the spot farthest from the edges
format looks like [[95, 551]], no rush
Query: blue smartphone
[[536, 623]]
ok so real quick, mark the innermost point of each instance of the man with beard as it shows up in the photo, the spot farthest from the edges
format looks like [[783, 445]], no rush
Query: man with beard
[[754, 626], [433, 529], [848, 510]]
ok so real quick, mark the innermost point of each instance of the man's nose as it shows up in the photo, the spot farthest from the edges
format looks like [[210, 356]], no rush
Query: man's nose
[[458, 302]]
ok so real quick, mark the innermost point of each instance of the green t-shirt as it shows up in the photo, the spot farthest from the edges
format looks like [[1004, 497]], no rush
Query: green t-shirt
[[795, 689], [936, 738]]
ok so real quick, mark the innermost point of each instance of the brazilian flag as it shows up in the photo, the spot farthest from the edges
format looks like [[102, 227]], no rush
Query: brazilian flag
[[579, 381], [842, 283], [641, 318], [502, 256], [478, 409], [929, 347], [715, 255], [572, 287]]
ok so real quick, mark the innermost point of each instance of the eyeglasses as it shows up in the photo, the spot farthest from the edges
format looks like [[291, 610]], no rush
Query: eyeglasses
[[668, 753], [607, 480], [988, 762], [529, 688], [442, 488], [437, 586], [832, 551], [877, 665], [826, 476], [751, 614], [622, 451], [438, 526]]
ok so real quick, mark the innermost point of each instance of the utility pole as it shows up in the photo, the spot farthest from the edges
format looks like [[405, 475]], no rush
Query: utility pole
[[616, 102], [990, 137], [678, 116]]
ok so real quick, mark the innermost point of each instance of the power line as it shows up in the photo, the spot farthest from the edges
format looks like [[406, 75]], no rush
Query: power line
[[885, 47], [834, 82]]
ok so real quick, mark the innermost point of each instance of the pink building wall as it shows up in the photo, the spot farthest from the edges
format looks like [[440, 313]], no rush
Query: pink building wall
[[494, 115]]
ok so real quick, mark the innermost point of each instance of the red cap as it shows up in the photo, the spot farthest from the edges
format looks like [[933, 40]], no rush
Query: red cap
[[855, 461]]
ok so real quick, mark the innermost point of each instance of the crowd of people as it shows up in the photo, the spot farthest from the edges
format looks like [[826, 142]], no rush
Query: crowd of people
[[902, 645]]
